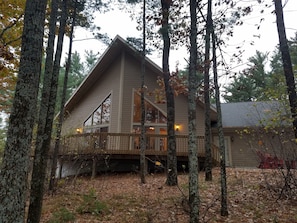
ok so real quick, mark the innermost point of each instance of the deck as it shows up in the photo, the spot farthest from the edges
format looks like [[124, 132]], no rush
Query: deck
[[127, 145]]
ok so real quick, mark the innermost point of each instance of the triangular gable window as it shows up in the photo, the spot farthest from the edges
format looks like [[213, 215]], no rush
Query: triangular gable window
[[101, 116], [152, 114]]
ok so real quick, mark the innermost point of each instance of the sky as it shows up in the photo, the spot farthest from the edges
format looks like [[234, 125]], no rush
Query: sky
[[264, 39]]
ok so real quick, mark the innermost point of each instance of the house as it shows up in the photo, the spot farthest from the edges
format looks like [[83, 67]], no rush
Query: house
[[103, 115], [258, 131]]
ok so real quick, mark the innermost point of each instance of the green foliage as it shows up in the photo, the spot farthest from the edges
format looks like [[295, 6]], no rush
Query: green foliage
[[91, 205], [240, 89], [137, 44], [62, 215], [278, 88], [251, 83], [90, 61], [78, 71], [256, 84]]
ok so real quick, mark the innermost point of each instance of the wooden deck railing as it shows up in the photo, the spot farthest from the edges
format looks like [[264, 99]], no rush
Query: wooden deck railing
[[128, 143]]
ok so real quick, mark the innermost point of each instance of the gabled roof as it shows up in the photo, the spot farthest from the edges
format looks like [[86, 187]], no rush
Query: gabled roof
[[248, 114], [115, 48]]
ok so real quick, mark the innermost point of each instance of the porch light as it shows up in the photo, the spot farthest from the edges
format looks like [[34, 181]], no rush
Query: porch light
[[79, 130], [177, 127]]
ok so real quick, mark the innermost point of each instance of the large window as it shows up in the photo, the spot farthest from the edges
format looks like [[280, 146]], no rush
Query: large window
[[100, 118], [152, 114], [155, 124]]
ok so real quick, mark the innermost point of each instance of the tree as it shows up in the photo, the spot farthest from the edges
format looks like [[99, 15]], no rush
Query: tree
[[240, 89], [287, 63], [224, 205], [252, 83], [62, 105], [15, 164], [171, 153], [257, 72], [256, 83], [142, 105], [277, 83], [192, 143], [75, 8], [207, 62], [11, 27], [91, 59], [77, 73], [46, 114]]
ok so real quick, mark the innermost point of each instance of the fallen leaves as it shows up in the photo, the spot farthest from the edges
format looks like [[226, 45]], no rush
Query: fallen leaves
[[128, 200]]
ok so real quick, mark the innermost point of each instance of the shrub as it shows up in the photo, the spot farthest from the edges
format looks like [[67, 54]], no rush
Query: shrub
[[91, 205], [62, 215]]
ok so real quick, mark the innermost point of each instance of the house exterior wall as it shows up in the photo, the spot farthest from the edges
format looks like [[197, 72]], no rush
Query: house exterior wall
[[257, 142], [121, 77], [242, 155], [109, 83], [132, 72], [120, 80], [133, 80], [181, 116]]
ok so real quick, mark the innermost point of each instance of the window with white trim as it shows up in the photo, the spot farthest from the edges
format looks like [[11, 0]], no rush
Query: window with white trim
[[99, 120]]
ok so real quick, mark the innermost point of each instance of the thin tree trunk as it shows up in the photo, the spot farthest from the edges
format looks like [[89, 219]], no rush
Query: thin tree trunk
[[16, 160], [171, 142], [287, 63], [142, 136], [208, 156], [224, 205], [43, 136], [61, 114], [192, 143]]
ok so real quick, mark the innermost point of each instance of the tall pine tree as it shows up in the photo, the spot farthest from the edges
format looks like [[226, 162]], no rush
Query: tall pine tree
[[14, 171]]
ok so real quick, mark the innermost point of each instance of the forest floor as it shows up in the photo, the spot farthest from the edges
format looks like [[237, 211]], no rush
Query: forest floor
[[253, 196]]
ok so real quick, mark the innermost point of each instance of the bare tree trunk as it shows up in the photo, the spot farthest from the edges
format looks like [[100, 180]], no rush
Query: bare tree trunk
[[16, 160], [142, 136], [224, 205], [61, 114], [287, 63], [192, 143], [171, 142], [44, 127], [208, 156]]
